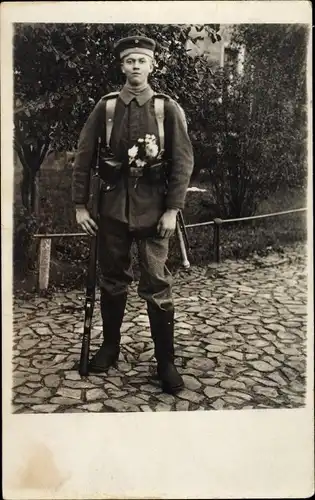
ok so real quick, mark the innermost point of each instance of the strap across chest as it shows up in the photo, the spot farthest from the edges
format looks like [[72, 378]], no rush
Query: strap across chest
[[159, 114], [110, 104]]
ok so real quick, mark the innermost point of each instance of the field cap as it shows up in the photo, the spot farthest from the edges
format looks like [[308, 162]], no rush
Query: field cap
[[135, 44]]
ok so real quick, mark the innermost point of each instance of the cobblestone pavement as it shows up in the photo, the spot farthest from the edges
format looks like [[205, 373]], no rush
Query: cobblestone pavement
[[240, 343]]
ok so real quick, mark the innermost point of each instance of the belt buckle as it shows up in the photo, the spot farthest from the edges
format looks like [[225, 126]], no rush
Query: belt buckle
[[136, 171]]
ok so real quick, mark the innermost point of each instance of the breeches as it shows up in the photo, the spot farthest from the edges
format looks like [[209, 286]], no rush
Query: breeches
[[115, 241]]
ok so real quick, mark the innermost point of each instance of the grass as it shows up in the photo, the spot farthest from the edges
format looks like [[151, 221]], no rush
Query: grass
[[237, 240]]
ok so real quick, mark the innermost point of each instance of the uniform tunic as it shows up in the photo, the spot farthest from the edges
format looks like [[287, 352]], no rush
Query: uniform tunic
[[141, 204], [130, 211]]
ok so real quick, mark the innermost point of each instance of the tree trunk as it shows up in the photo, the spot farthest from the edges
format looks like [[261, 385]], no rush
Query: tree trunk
[[31, 160], [30, 190], [35, 205], [25, 189]]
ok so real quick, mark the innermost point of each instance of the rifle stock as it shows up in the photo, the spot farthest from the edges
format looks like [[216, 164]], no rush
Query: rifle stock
[[91, 274]]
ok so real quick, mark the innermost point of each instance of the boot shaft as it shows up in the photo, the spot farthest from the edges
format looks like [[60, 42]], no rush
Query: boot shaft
[[162, 331], [112, 306], [112, 311]]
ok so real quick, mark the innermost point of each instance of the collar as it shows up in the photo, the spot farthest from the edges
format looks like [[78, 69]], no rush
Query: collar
[[141, 99]]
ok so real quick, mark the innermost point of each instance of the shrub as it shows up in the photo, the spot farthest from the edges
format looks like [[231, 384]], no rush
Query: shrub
[[250, 135]]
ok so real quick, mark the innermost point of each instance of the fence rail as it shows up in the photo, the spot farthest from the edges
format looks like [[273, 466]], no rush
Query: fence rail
[[45, 240], [240, 219], [58, 235]]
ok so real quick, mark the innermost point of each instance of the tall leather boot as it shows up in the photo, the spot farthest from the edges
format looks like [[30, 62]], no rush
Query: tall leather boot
[[162, 331], [112, 310]]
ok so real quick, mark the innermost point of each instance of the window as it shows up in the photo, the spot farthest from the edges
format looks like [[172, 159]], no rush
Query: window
[[231, 58]]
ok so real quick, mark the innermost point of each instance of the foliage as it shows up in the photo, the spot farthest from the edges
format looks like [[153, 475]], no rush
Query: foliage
[[254, 128]]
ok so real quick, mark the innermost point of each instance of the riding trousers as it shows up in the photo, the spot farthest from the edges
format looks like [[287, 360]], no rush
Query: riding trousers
[[115, 261]]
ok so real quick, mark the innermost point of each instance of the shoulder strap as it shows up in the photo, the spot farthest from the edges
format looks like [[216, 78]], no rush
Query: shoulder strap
[[160, 94], [159, 114], [111, 100], [182, 112], [110, 105], [110, 94]]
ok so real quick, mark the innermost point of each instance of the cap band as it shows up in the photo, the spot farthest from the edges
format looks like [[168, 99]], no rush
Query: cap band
[[137, 50], [135, 45]]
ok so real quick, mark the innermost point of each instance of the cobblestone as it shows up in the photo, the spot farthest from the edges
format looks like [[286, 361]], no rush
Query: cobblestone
[[240, 342], [262, 366]]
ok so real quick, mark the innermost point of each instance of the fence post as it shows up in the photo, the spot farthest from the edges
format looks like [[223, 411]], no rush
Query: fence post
[[44, 263], [216, 238]]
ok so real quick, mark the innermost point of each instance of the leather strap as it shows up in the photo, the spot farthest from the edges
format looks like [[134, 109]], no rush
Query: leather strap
[[159, 114], [109, 113]]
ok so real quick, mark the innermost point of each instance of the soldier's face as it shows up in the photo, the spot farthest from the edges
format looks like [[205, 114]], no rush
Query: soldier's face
[[137, 68]]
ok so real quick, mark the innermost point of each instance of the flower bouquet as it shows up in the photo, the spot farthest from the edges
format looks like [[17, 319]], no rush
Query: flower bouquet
[[143, 155]]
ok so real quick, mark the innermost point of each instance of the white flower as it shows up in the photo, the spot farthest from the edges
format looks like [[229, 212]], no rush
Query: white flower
[[132, 152], [152, 150], [140, 140], [149, 138], [140, 163]]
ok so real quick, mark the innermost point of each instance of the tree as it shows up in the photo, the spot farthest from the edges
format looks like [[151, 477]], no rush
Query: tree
[[255, 126], [61, 70]]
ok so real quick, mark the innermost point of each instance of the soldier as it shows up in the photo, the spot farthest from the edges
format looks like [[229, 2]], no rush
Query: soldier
[[140, 199]]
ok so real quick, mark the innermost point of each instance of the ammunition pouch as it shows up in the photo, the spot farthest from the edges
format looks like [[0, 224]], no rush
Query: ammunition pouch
[[152, 174], [109, 169]]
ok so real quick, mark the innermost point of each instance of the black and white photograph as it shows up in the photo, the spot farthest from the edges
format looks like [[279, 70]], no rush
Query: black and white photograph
[[160, 207], [141, 312]]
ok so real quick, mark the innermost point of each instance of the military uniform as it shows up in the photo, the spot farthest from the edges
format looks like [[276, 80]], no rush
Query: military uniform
[[131, 206]]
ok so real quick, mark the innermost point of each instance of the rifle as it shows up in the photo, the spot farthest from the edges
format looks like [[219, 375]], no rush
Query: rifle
[[183, 239], [91, 275]]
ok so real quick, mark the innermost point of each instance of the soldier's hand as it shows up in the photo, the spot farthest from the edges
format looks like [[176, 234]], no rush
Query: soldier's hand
[[167, 224], [85, 221]]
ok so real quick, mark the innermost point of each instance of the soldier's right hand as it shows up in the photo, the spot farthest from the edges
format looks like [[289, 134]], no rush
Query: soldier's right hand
[[85, 221]]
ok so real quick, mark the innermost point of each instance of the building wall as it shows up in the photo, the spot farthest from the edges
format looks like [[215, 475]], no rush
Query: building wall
[[218, 53], [213, 51]]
